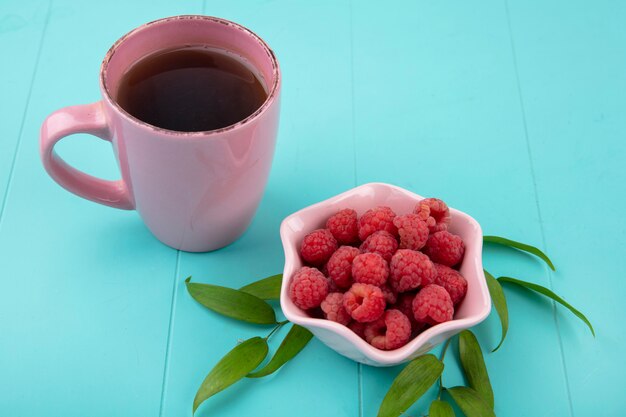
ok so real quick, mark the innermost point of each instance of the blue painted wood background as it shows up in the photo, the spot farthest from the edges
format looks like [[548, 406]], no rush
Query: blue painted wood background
[[513, 111]]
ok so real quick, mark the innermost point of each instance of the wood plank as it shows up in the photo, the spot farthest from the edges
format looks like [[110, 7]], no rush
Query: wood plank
[[22, 26], [86, 290], [436, 111], [314, 160], [571, 60]]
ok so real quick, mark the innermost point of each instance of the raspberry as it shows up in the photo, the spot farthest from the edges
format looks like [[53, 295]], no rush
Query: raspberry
[[410, 270], [382, 243], [432, 305], [358, 328], [308, 288], [435, 213], [364, 302], [344, 226], [318, 246], [390, 295], [391, 331], [316, 313], [452, 281], [405, 305], [333, 309], [413, 231], [340, 266], [445, 248], [370, 268], [332, 287], [373, 220]]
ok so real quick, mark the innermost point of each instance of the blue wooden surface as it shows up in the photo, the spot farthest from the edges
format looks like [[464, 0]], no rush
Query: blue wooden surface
[[512, 111]]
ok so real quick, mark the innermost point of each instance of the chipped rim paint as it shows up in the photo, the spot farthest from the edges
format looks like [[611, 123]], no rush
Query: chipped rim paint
[[201, 134]]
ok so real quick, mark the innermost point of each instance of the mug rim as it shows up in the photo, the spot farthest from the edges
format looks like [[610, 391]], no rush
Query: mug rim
[[272, 93]]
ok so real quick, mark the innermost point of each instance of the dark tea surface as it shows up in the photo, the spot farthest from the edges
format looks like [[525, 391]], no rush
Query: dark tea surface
[[190, 89]]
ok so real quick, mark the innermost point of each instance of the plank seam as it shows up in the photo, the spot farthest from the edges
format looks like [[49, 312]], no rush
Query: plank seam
[[354, 154], [170, 326], [359, 368], [353, 111], [24, 113], [170, 331], [537, 205]]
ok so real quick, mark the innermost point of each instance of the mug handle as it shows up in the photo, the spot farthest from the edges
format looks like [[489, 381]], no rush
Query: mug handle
[[86, 118]]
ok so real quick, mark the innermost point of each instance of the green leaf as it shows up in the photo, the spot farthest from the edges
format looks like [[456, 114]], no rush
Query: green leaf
[[410, 384], [231, 368], [470, 402], [474, 366], [521, 246], [550, 294], [232, 303], [266, 288], [294, 342], [440, 408], [499, 302]]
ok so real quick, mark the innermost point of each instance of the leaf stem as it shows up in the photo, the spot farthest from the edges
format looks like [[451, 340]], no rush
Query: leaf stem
[[275, 329], [443, 354]]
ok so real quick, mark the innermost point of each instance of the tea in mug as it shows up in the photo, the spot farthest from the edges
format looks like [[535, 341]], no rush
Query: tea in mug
[[191, 89]]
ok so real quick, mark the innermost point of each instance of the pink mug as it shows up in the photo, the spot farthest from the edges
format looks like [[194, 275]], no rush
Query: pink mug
[[196, 191]]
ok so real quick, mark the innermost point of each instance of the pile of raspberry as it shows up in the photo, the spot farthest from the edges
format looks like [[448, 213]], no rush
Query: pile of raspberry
[[387, 277]]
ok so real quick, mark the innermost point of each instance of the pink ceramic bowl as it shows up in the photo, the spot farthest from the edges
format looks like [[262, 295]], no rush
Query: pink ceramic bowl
[[474, 308]]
